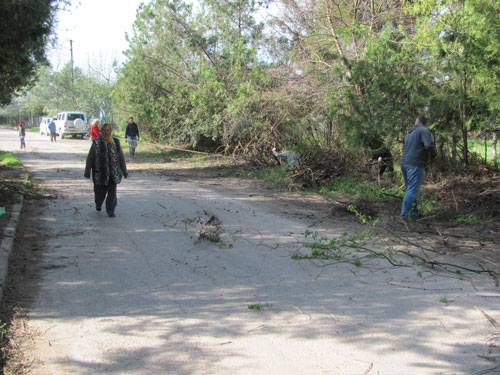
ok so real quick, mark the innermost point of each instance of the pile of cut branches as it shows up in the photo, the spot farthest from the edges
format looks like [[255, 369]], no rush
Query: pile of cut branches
[[318, 166], [475, 190]]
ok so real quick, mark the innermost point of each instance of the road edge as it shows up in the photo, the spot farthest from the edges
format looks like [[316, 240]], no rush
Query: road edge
[[9, 237]]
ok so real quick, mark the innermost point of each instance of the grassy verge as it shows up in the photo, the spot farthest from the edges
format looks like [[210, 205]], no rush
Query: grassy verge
[[8, 159], [360, 189], [479, 146], [454, 198], [277, 177], [165, 153], [32, 129]]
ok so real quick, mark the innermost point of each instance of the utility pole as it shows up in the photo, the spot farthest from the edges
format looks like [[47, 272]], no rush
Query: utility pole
[[72, 73]]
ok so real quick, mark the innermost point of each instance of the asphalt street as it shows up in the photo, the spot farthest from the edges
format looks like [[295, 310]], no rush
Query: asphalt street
[[142, 293]]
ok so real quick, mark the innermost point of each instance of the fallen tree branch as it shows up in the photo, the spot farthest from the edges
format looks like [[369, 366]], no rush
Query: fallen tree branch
[[489, 370], [433, 263], [489, 318]]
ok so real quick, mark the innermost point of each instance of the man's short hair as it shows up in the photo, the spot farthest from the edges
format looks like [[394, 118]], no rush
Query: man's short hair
[[422, 120]]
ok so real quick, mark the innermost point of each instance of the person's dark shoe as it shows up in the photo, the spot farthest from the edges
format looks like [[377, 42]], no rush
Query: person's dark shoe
[[98, 208], [111, 214]]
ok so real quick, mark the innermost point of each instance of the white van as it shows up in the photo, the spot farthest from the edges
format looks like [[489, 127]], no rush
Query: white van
[[71, 123], [44, 125]]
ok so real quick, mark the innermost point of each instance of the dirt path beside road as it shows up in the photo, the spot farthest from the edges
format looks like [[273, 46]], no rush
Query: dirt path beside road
[[147, 293]]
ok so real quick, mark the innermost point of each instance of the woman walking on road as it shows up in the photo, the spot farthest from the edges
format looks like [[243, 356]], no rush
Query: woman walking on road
[[106, 161]]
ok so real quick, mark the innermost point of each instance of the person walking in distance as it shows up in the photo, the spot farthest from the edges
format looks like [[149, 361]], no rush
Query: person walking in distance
[[131, 135], [417, 152], [107, 164], [52, 130], [22, 135], [94, 129]]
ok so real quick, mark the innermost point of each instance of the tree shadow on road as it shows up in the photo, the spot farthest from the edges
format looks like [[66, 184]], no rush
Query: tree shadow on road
[[189, 299]]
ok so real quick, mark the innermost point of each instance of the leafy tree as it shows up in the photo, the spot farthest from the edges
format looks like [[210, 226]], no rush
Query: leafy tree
[[185, 68], [341, 72], [58, 91], [27, 26], [158, 57], [462, 45], [40, 99], [369, 81], [378, 64]]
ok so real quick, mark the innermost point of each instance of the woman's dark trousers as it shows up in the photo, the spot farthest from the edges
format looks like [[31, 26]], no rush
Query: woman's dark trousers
[[107, 192]]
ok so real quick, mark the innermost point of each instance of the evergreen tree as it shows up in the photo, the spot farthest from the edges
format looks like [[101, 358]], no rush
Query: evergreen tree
[[26, 29]]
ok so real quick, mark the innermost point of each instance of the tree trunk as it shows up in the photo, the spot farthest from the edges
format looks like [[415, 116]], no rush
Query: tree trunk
[[465, 150], [442, 154], [454, 149], [494, 149], [463, 120], [485, 148], [329, 131]]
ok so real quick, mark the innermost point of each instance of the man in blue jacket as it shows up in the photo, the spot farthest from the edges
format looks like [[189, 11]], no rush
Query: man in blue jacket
[[52, 130], [418, 150]]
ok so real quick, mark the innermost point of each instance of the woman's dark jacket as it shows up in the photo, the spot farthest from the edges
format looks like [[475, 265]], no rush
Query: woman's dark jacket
[[106, 162]]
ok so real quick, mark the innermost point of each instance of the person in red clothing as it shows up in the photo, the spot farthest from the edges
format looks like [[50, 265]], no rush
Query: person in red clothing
[[22, 134], [94, 129]]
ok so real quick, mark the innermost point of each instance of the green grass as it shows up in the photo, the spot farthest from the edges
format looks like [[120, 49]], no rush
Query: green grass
[[355, 188], [8, 159], [166, 154], [274, 176], [179, 154], [359, 189], [258, 306], [468, 219], [477, 146], [428, 206], [157, 154]]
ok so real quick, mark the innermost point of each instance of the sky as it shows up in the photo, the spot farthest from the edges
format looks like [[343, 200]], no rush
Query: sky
[[97, 29]]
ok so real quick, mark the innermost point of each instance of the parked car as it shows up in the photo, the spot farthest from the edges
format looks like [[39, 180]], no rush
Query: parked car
[[71, 123], [44, 125]]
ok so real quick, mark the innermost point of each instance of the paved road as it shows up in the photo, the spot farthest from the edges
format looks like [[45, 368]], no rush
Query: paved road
[[139, 294]]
